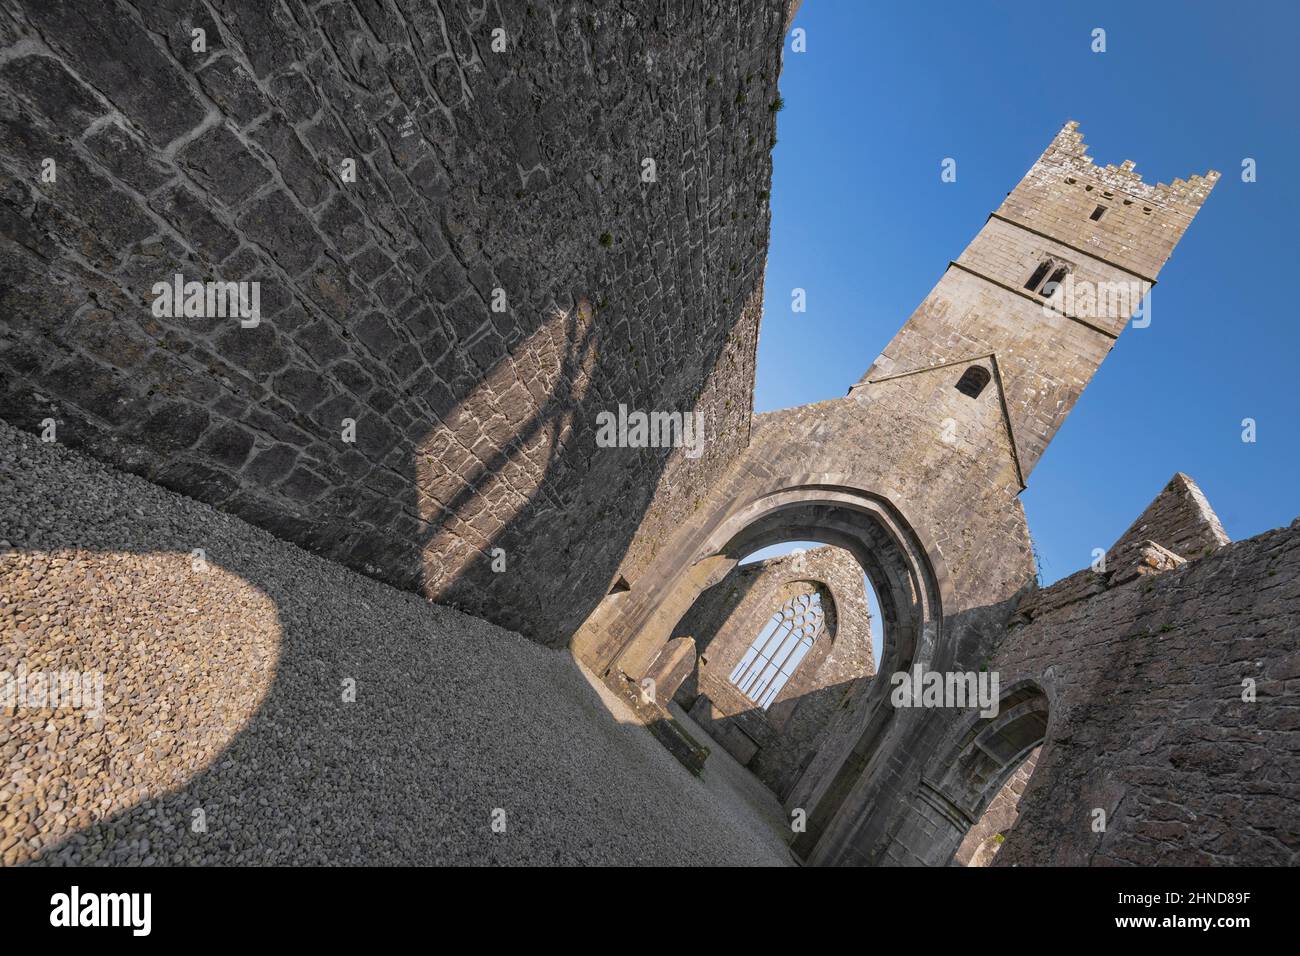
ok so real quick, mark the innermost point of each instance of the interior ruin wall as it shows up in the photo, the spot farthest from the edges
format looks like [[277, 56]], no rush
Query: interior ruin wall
[[557, 208], [777, 743]]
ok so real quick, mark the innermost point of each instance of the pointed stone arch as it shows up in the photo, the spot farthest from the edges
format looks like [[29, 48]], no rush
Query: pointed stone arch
[[908, 574], [966, 770]]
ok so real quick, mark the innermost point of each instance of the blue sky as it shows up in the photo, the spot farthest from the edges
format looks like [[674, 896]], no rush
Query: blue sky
[[862, 221]]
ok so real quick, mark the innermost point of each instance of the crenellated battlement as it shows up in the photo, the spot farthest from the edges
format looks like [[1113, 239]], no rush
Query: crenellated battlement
[[1106, 211], [1069, 151]]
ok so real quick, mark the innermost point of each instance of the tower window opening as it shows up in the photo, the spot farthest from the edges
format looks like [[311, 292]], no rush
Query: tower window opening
[[1098, 213], [973, 380], [1051, 285], [1039, 275]]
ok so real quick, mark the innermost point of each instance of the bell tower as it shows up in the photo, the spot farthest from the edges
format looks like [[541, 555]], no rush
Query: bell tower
[[1042, 292]]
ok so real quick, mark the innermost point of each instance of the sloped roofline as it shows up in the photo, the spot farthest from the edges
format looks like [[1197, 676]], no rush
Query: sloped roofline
[[1002, 398]]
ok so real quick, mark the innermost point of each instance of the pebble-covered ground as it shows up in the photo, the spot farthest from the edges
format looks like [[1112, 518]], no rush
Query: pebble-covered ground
[[224, 735]]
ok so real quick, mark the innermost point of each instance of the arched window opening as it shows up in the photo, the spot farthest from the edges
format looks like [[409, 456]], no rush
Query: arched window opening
[[776, 731], [973, 380], [1051, 285], [1039, 275], [776, 652], [969, 774]]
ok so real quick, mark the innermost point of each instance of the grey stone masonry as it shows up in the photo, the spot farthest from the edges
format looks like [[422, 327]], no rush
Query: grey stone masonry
[[473, 228], [779, 742], [917, 473], [1180, 518], [1175, 713], [987, 836]]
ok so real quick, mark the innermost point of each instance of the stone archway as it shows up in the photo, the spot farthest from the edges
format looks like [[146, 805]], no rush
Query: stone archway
[[967, 770], [767, 682], [908, 576], [907, 573]]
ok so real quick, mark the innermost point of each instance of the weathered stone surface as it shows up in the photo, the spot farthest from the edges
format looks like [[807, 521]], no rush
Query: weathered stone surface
[[1179, 513], [1149, 724], [777, 743], [673, 665], [98, 41], [476, 171], [987, 836], [438, 335], [1180, 519]]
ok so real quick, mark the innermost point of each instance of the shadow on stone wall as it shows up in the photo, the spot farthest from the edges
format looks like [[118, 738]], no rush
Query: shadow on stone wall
[[225, 690], [531, 534], [774, 756], [433, 300]]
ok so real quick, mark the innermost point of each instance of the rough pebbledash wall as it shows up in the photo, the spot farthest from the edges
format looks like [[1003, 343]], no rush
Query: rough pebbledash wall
[[479, 174]]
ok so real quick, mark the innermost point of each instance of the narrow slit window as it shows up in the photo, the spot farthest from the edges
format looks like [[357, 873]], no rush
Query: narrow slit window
[[1098, 213], [1039, 274], [973, 380], [779, 648]]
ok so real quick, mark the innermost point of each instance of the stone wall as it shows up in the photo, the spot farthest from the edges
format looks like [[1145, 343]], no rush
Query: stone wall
[[1152, 703], [987, 836], [1130, 677], [1180, 519], [497, 273], [777, 743], [1148, 679]]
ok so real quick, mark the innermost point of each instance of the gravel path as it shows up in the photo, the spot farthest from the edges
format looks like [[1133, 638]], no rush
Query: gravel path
[[224, 736]]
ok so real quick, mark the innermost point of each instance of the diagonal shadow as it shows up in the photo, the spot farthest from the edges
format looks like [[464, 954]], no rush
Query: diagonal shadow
[[224, 693]]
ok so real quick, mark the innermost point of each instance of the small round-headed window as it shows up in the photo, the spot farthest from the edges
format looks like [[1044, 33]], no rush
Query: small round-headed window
[[973, 380], [780, 646]]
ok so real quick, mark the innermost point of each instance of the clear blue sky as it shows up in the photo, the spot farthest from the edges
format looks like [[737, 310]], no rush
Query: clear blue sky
[[862, 221]]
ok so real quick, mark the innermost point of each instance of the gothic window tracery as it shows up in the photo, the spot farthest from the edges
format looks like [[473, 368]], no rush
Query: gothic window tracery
[[780, 646]]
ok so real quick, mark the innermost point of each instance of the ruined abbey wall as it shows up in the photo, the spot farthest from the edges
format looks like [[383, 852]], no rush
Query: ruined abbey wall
[[917, 473], [986, 837], [473, 228], [498, 272], [1148, 678], [777, 743], [1159, 693]]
